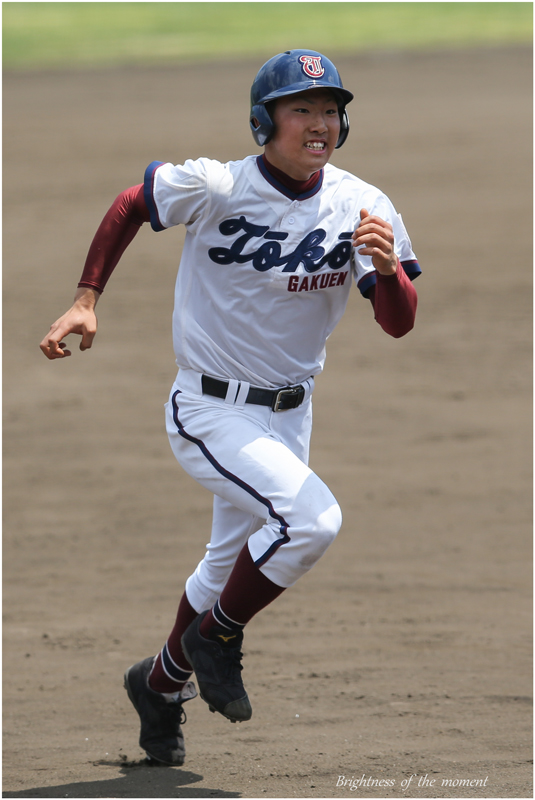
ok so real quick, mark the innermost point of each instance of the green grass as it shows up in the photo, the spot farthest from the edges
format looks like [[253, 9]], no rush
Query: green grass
[[62, 35]]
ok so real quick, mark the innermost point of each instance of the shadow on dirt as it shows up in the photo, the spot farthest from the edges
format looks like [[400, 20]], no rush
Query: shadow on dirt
[[141, 779]]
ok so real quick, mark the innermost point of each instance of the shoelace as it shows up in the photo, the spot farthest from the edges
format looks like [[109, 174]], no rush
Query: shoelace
[[175, 713], [230, 660]]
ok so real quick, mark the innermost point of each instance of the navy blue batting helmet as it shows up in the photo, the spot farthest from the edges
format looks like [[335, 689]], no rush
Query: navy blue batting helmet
[[288, 73]]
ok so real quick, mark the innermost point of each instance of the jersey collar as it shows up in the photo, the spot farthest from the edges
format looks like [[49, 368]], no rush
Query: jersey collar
[[290, 188]]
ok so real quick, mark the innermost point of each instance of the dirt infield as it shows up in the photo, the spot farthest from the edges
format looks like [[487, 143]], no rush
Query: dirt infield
[[407, 650]]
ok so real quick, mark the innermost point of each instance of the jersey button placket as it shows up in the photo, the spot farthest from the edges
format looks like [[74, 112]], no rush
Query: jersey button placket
[[292, 211]]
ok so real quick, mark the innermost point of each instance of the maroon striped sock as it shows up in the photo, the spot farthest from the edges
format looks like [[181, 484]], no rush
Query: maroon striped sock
[[246, 592], [171, 668]]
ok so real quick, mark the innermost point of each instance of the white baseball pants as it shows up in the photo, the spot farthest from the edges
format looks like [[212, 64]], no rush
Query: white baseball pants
[[254, 461]]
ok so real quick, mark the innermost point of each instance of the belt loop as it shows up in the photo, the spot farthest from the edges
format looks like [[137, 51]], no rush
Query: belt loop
[[242, 394], [233, 386]]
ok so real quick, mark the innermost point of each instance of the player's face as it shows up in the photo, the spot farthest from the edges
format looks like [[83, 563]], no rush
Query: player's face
[[307, 126]]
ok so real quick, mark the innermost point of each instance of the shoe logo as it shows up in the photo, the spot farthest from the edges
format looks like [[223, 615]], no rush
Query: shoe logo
[[226, 638]]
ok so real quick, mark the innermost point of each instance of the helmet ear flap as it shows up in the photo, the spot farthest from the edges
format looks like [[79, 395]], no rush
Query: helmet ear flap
[[263, 128], [344, 128]]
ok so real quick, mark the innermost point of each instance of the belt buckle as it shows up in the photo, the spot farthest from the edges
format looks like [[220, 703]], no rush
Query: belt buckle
[[291, 390]]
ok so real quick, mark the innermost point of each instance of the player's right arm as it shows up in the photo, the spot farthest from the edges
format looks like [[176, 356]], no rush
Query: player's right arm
[[119, 226], [80, 318]]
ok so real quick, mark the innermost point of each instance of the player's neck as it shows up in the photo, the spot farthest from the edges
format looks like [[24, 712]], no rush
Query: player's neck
[[298, 187]]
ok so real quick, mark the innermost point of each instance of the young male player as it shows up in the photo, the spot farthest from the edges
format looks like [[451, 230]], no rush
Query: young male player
[[273, 245]]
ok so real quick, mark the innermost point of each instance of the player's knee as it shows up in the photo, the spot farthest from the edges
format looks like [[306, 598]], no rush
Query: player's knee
[[328, 525], [309, 539], [322, 534]]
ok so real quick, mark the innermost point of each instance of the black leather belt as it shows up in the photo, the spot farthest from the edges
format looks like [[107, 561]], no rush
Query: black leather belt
[[276, 399]]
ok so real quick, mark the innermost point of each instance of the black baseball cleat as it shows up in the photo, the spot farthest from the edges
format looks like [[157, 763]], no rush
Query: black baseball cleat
[[161, 735], [217, 666]]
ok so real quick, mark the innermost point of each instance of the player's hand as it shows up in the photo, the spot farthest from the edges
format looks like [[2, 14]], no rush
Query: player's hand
[[80, 318], [375, 237]]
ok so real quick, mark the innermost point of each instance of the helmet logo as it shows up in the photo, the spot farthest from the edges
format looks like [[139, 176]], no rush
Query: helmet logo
[[312, 66]]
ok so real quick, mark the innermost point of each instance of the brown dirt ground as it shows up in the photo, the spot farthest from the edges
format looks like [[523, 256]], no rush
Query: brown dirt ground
[[407, 650]]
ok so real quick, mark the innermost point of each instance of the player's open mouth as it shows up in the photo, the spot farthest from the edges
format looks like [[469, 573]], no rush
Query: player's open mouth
[[317, 147]]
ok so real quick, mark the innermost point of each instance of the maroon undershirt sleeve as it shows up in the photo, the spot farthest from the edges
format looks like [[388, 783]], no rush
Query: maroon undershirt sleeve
[[121, 223], [394, 301]]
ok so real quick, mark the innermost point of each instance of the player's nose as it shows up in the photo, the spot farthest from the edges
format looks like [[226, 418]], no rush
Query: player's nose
[[319, 122]]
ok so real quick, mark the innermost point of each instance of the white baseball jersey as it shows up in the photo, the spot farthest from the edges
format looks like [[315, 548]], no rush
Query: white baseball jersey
[[265, 274]]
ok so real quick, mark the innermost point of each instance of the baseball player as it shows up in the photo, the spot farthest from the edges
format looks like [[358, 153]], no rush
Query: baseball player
[[273, 245]]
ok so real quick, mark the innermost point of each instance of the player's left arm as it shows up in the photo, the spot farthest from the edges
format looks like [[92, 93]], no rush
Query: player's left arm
[[375, 237], [393, 297]]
